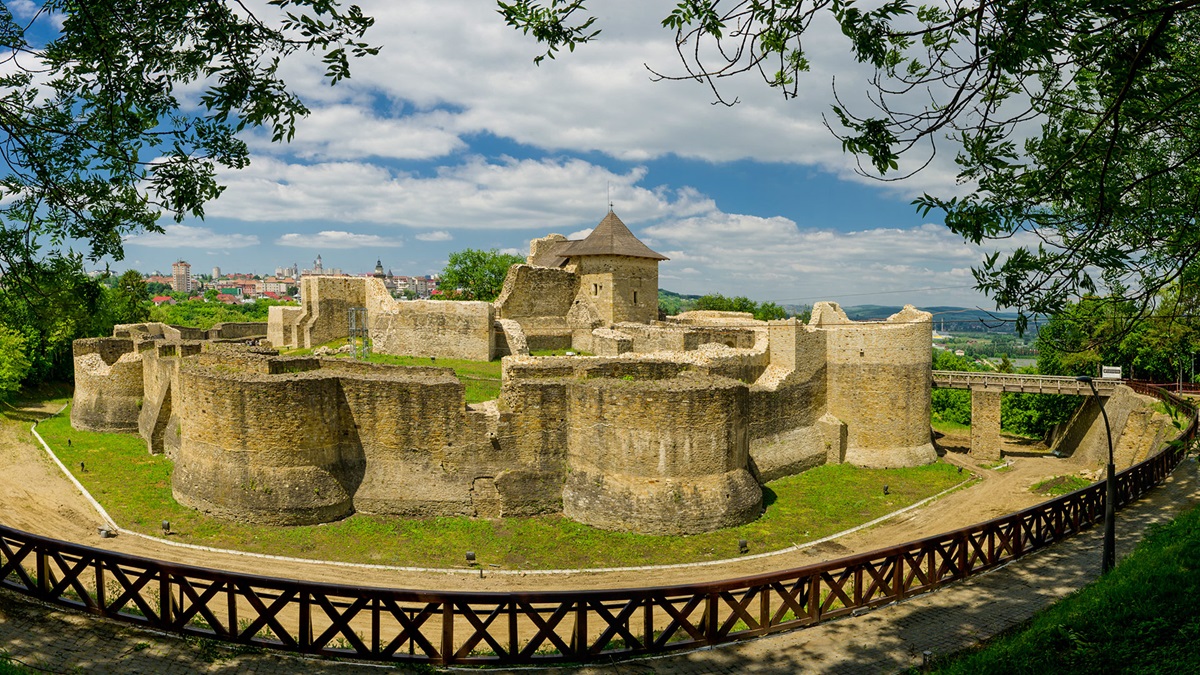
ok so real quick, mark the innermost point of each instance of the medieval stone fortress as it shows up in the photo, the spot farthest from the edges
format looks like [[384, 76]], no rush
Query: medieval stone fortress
[[671, 428]]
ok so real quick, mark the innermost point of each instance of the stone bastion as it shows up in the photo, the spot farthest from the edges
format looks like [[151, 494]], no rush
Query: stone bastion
[[673, 432]]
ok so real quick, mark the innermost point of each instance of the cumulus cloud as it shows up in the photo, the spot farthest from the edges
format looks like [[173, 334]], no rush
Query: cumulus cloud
[[336, 239], [437, 235], [774, 259], [461, 73], [476, 194], [187, 236], [343, 131]]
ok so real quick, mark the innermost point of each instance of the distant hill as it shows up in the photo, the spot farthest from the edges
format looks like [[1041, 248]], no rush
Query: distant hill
[[949, 319]]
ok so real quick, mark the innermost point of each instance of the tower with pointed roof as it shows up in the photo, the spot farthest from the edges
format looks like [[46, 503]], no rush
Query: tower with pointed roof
[[618, 274]]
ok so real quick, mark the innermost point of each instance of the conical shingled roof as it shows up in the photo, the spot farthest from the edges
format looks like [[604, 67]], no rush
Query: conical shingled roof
[[610, 237]]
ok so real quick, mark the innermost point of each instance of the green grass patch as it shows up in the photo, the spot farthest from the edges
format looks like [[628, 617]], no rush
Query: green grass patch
[[135, 489], [10, 667], [1141, 618], [1059, 485], [948, 427], [481, 378]]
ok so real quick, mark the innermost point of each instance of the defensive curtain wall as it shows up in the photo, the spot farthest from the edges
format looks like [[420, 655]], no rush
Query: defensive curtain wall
[[674, 440]]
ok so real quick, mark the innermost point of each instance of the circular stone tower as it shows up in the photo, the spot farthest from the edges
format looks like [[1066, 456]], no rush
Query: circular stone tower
[[879, 384], [665, 456]]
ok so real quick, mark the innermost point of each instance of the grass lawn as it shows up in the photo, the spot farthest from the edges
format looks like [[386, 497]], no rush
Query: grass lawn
[[135, 489], [481, 378], [1060, 485], [1142, 617], [949, 428]]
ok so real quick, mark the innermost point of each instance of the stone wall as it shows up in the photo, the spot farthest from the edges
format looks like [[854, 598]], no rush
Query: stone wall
[[439, 328], [665, 456], [307, 440], [463, 330], [240, 330], [282, 325], [108, 385], [670, 337], [879, 384], [623, 289], [1085, 436], [787, 402], [325, 302]]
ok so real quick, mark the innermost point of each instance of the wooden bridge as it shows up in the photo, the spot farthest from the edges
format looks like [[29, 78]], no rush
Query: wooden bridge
[[1025, 384], [988, 388]]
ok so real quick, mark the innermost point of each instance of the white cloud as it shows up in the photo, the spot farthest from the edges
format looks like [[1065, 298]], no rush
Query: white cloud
[[476, 194], [581, 234], [336, 239], [186, 236], [342, 131], [437, 235], [450, 71], [774, 259]]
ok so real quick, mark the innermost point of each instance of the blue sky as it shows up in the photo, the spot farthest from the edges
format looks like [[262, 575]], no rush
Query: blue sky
[[452, 138]]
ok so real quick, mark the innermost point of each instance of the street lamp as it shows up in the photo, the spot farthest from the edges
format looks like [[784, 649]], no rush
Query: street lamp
[[1110, 495]]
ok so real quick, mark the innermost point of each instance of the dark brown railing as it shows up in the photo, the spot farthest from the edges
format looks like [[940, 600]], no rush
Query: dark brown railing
[[545, 626]]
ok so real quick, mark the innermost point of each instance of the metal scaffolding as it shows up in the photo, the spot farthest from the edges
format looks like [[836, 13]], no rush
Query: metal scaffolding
[[360, 337]]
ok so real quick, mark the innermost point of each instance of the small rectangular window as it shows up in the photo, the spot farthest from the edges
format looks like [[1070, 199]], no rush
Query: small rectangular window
[[635, 297], [595, 289]]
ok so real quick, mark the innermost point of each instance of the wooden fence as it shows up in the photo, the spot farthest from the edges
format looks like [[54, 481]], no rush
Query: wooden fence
[[552, 626]]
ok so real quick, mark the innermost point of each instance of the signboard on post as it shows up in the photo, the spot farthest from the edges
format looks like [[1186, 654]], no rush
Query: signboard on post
[[1110, 373]]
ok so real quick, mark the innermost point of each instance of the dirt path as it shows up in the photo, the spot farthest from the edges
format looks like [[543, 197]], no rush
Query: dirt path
[[37, 498]]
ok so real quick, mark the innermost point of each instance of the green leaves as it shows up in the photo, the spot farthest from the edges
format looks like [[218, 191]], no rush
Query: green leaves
[[549, 25], [473, 274]]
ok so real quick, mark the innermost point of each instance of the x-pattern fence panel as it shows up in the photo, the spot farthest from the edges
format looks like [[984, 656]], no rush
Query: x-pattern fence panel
[[491, 628]]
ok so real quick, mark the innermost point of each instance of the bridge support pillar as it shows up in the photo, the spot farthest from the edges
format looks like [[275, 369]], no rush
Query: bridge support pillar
[[985, 423]]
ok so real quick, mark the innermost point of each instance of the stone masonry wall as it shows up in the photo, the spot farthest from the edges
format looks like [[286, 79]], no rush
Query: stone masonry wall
[[663, 456], [438, 328], [108, 385], [878, 384], [325, 301], [303, 444], [621, 288], [282, 324]]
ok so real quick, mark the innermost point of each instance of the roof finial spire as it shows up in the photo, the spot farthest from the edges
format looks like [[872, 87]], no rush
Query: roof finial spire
[[610, 195]]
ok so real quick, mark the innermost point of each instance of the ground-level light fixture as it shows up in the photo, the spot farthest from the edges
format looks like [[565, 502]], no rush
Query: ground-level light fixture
[[1110, 492], [743, 546], [470, 557], [166, 527]]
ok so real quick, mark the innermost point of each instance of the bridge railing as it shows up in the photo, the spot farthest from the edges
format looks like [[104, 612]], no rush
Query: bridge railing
[[441, 627], [1046, 384]]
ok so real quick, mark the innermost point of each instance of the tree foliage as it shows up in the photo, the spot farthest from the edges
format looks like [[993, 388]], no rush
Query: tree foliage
[[200, 314], [1160, 345], [763, 311], [473, 274], [58, 303], [1077, 122], [14, 364], [115, 113]]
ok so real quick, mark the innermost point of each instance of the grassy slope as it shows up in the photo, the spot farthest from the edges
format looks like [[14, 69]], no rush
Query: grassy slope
[[1143, 617], [135, 488]]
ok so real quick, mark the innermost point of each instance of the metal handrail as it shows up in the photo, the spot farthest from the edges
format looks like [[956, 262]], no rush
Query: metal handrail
[[465, 627]]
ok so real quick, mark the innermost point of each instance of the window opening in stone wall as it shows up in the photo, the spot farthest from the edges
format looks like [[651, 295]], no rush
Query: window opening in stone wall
[[635, 297], [595, 289]]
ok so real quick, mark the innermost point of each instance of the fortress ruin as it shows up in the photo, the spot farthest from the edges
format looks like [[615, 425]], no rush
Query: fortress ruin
[[672, 427]]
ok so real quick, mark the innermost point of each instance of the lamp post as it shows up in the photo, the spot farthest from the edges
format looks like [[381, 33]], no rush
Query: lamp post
[[1110, 494]]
